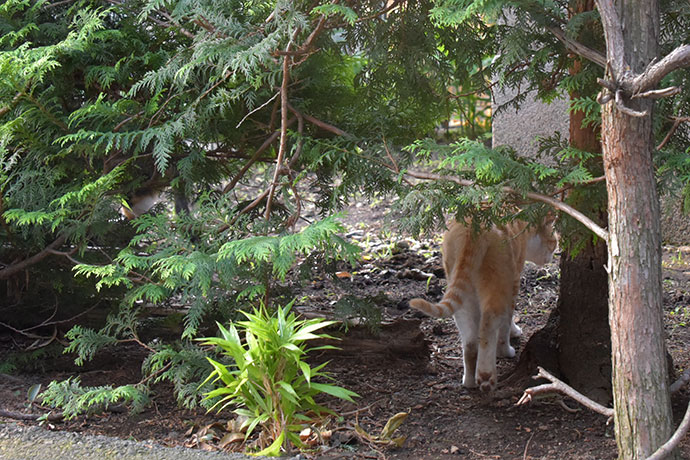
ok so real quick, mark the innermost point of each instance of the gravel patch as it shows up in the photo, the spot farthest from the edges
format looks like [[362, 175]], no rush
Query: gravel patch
[[35, 443]]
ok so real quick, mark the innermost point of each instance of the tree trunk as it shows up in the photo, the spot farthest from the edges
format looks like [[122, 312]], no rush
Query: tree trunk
[[641, 398], [584, 341], [584, 337]]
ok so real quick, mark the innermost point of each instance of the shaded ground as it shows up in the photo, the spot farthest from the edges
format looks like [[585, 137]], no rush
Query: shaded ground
[[413, 366]]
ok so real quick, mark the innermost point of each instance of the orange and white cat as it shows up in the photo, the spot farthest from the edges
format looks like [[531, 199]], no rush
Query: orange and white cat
[[483, 275]]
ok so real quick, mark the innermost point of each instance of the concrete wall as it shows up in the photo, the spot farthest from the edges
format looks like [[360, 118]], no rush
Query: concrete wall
[[519, 129]]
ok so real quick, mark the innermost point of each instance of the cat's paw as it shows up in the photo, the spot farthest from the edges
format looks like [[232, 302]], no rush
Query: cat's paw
[[468, 381], [515, 330], [486, 381], [505, 351]]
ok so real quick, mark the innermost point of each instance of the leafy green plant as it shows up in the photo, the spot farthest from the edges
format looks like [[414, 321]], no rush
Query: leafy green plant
[[270, 383]]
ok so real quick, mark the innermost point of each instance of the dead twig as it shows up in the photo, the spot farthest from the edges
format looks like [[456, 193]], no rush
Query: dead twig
[[676, 123], [257, 109], [557, 386], [524, 454]]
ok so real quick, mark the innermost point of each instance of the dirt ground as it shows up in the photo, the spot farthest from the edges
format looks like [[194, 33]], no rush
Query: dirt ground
[[413, 366]]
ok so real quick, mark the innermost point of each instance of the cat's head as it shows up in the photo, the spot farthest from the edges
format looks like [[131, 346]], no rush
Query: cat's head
[[542, 242]]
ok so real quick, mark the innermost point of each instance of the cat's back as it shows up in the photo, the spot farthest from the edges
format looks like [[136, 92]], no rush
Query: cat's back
[[487, 249]]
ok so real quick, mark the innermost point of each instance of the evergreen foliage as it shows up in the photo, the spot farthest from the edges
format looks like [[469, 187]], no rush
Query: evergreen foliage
[[100, 101]]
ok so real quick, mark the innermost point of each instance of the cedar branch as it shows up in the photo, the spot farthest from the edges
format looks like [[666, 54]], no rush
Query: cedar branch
[[578, 48], [574, 213]]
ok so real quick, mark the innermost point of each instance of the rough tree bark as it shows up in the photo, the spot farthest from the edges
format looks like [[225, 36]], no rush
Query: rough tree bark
[[641, 398], [584, 337]]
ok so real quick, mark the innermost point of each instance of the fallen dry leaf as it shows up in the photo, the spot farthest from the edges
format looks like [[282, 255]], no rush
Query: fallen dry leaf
[[231, 438]]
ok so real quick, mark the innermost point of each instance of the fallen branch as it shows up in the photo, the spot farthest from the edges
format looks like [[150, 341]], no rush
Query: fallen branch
[[52, 417], [680, 383], [557, 386]]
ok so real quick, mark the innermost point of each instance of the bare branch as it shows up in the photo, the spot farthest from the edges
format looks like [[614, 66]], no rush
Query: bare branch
[[676, 59], [557, 386], [36, 258], [283, 128], [663, 451], [572, 212], [613, 33], [658, 93], [676, 123], [253, 159], [321, 124], [627, 110], [578, 48], [257, 109], [127, 120]]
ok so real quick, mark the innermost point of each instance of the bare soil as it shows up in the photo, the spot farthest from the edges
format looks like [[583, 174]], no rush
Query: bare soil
[[412, 365]]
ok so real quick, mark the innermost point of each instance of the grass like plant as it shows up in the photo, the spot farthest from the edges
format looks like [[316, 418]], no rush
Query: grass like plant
[[270, 383]]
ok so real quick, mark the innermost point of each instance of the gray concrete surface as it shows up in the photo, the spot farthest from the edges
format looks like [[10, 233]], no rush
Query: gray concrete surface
[[520, 129], [35, 443]]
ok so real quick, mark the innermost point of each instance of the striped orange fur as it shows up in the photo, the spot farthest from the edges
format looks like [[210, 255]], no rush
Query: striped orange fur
[[483, 275]]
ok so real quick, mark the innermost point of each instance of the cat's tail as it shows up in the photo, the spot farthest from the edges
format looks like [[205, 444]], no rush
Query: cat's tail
[[444, 309]]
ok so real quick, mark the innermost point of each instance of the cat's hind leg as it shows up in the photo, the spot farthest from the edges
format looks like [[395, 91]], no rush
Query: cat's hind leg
[[467, 321], [504, 349], [515, 330], [489, 328]]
